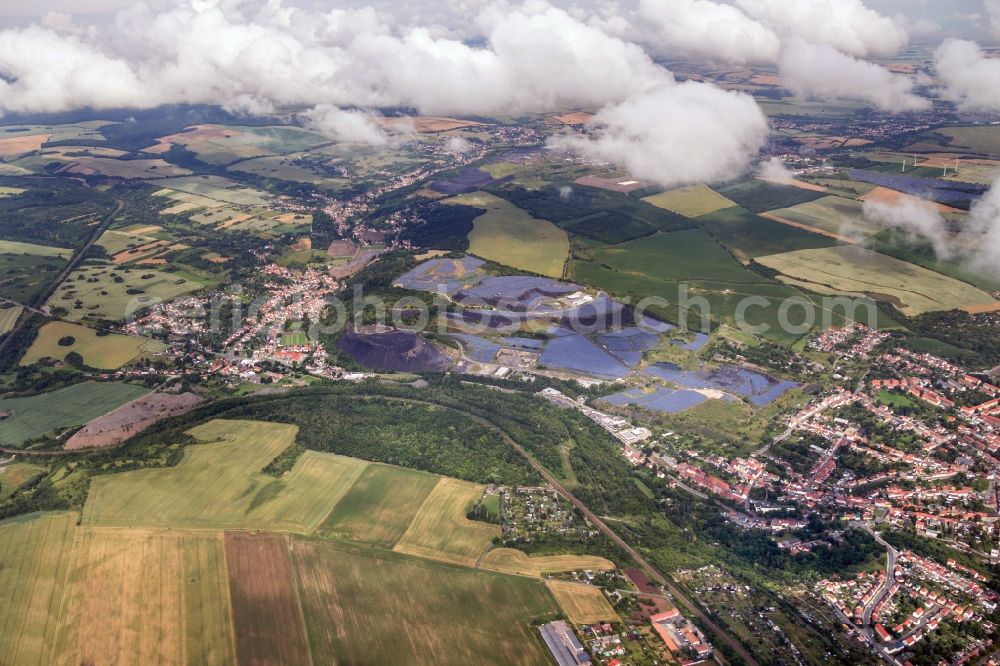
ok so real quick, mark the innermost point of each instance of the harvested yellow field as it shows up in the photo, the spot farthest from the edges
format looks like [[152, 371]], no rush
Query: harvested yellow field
[[582, 604], [21, 145], [145, 597], [33, 565], [220, 485], [509, 560], [851, 270], [693, 201], [440, 530]]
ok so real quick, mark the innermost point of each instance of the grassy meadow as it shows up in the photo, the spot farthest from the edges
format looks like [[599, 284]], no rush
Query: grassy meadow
[[112, 293], [104, 352], [24, 276], [508, 235]]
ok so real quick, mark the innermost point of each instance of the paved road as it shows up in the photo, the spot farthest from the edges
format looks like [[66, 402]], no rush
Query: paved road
[[866, 619], [648, 568]]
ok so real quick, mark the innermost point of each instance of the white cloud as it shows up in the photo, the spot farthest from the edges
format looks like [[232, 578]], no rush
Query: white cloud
[[917, 218], [975, 243], [258, 56], [347, 126], [702, 28], [677, 134], [775, 170], [457, 145], [969, 77], [537, 58], [984, 223], [847, 25], [820, 71], [993, 12]]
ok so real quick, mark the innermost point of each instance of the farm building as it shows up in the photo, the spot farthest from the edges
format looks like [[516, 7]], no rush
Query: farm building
[[680, 635], [566, 649]]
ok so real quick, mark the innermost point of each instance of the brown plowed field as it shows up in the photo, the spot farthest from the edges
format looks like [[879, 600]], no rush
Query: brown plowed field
[[130, 419], [266, 613]]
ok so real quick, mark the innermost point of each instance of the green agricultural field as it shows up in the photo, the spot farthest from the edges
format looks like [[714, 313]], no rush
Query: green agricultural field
[[662, 265], [595, 214], [119, 240], [693, 201], [14, 475], [104, 352], [220, 485], [380, 505], [103, 291], [835, 215], [853, 270], [378, 607], [748, 235], [510, 236], [759, 196], [852, 189], [680, 255], [145, 597], [34, 557], [74, 405], [9, 315], [440, 530]]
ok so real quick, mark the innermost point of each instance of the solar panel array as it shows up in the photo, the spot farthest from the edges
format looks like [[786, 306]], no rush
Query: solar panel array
[[578, 354], [662, 400], [476, 348]]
